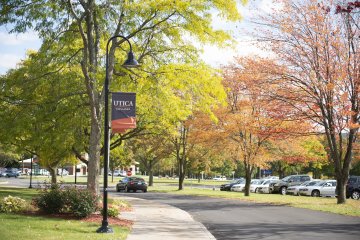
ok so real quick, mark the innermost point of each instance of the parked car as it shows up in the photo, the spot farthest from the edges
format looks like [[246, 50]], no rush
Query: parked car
[[227, 186], [120, 173], [131, 183], [10, 173], [323, 188], [353, 187], [219, 178], [292, 180], [271, 177], [294, 190], [238, 187], [265, 187], [255, 184], [241, 186]]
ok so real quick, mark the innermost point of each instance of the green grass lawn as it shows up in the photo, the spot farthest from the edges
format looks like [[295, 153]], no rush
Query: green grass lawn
[[351, 208], [18, 226], [15, 227], [23, 193]]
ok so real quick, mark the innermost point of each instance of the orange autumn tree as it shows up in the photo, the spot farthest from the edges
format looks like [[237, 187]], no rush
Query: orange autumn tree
[[320, 48], [252, 117], [298, 151], [208, 151]]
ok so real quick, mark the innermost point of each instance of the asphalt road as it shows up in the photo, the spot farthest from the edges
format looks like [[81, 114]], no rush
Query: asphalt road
[[233, 219]]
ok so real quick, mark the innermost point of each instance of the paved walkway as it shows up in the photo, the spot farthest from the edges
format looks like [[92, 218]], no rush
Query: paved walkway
[[155, 221]]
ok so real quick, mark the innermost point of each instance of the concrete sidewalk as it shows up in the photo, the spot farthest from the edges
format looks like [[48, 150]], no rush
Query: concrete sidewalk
[[155, 221]]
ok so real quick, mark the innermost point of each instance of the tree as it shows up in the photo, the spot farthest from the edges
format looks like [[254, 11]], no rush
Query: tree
[[120, 157], [161, 30], [293, 158], [252, 118], [150, 150], [8, 157], [41, 116], [321, 83]]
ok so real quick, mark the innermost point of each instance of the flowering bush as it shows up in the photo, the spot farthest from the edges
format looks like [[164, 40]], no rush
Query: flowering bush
[[12, 204]]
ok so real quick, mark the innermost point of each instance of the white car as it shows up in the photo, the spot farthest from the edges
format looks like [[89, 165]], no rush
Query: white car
[[322, 188], [238, 187], [219, 178], [265, 186], [255, 184], [241, 186], [294, 190]]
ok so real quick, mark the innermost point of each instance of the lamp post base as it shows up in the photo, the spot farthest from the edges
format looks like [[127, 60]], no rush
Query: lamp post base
[[105, 229]]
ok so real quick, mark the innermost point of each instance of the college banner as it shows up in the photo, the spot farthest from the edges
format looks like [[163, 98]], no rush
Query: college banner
[[123, 112]]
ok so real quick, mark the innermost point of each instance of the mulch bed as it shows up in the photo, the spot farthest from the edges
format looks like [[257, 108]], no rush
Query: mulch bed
[[112, 220]]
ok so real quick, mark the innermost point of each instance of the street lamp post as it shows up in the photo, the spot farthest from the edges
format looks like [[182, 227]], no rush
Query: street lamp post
[[129, 63], [31, 171], [75, 174]]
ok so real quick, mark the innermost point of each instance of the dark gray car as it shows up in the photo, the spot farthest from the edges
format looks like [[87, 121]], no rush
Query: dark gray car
[[292, 180]]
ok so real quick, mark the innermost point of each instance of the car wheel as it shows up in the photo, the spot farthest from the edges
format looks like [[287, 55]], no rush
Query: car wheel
[[126, 189], [283, 190], [117, 189], [315, 193], [145, 190], [355, 195]]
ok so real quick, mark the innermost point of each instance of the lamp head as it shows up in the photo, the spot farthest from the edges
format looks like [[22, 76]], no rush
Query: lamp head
[[131, 61]]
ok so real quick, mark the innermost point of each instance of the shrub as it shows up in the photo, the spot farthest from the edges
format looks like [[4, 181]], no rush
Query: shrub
[[51, 199], [80, 202], [112, 211], [12, 204]]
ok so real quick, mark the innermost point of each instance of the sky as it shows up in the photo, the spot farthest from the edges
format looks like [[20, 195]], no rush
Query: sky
[[13, 47]]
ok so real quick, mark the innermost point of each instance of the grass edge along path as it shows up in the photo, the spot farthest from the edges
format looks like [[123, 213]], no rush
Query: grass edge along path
[[17, 226], [351, 208]]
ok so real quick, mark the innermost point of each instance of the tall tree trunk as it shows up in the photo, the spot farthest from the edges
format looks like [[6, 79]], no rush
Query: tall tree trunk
[[94, 157], [181, 173], [248, 172], [151, 177], [52, 171]]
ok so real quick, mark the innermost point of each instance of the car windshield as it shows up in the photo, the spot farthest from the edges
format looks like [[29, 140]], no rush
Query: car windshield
[[266, 182], [285, 179], [352, 180]]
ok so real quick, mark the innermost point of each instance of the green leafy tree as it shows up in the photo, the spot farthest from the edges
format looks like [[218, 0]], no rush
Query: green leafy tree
[[149, 150], [41, 115], [164, 31]]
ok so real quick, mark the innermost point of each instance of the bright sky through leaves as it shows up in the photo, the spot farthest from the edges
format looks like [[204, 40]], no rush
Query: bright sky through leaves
[[13, 47]]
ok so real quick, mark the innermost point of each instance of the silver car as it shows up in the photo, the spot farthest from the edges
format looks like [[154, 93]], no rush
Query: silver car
[[265, 186], [322, 188], [294, 190]]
